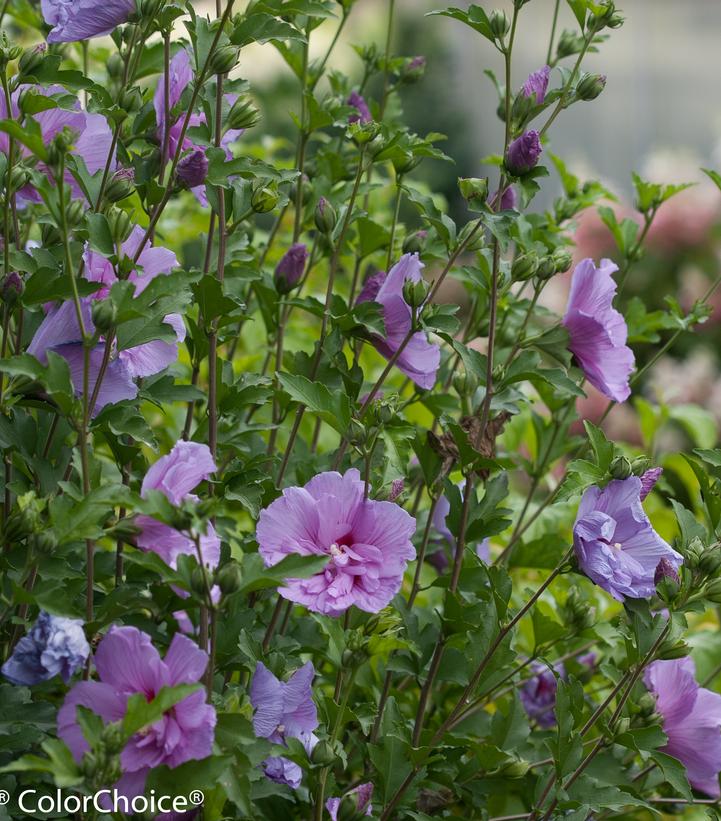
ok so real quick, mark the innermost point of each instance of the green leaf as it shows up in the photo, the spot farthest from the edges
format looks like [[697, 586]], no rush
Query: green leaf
[[141, 712], [578, 7], [333, 408]]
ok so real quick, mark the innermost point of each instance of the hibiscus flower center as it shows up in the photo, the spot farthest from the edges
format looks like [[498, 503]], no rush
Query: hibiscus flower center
[[617, 545]]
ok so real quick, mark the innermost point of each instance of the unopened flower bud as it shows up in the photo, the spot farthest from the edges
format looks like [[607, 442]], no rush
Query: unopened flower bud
[[45, 542], [19, 178], [590, 86], [243, 114], [523, 153], [405, 162], [131, 99], [562, 260], [115, 66], [104, 313], [198, 581], [229, 578], [415, 293], [674, 650], [515, 769], [75, 213], [415, 243], [620, 467], [605, 14], [396, 490], [325, 216], [710, 561], [289, 270], [499, 23], [473, 189], [414, 70], [363, 133], [120, 185], [665, 570], [12, 288], [646, 705], [32, 59], [49, 235], [193, 168], [546, 268], [120, 224], [224, 59], [713, 591], [323, 754], [568, 43], [524, 267], [264, 198]]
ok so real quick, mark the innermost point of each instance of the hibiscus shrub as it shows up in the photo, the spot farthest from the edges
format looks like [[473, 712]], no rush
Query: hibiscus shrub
[[297, 508]]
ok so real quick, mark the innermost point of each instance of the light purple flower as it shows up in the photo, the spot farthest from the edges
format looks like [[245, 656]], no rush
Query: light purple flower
[[92, 142], [665, 570], [691, 720], [537, 84], [289, 270], [419, 359], [508, 199], [181, 75], [284, 710], [193, 168], [648, 481], [54, 646], [176, 475], [127, 663], [359, 798], [361, 106], [523, 153], [440, 514], [615, 543], [368, 543], [598, 331], [74, 20], [538, 694]]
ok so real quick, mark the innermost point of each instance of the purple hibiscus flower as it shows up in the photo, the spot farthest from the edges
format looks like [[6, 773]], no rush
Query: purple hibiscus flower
[[523, 153], [127, 663], [74, 20], [538, 694], [648, 481], [508, 199], [368, 543], [284, 710], [597, 331], [358, 102], [54, 646], [359, 799], [691, 720], [419, 359], [440, 514], [181, 75], [290, 268], [615, 543], [60, 330], [92, 142], [536, 84], [175, 475]]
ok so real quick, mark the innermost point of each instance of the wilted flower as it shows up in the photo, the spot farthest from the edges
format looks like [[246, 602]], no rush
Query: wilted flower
[[691, 721], [127, 663], [523, 153], [367, 542], [176, 475], [193, 168], [361, 106], [597, 330], [536, 84], [615, 543], [419, 359], [284, 710], [648, 481], [54, 646], [289, 270], [83, 19], [359, 799]]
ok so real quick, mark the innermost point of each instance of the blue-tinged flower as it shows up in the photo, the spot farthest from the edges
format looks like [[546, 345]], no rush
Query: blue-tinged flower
[[538, 694], [54, 646], [361, 106], [536, 84], [289, 270], [597, 331], [523, 153], [691, 720], [357, 802], [284, 709], [74, 20], [615, 543]]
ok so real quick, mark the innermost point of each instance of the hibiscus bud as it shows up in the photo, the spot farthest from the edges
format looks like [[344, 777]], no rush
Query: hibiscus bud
[[131, 99], [8, 53], [24, 519], [620, 468], [640, 465], [120, 224], [524, 267], [623, 726], [12, 288], [710, 561], [224, 59], [115, 66], [264, 198], [396, 490], [415, 243], [104, 313], [646, 705], [243, 114], [665, 570], [198, 581], [713, 591], [75, 213], [229, 578], [325, 216], [515, 769], [323, 754], [562, 260], [113, 737], [675, 650], [32, 59], [363, 133], [405, 162], [523, 153], [414, 70], [473, 189], [415, 293], [121, 185], [45, 542], [193, 168], [546, 268], [499, 23], [289, 270], [19, 178], [568, 43], [49, 235], [590, 86], [605, 15]]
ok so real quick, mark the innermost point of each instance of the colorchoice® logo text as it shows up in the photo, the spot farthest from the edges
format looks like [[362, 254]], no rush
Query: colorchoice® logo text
[[103, 801]]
